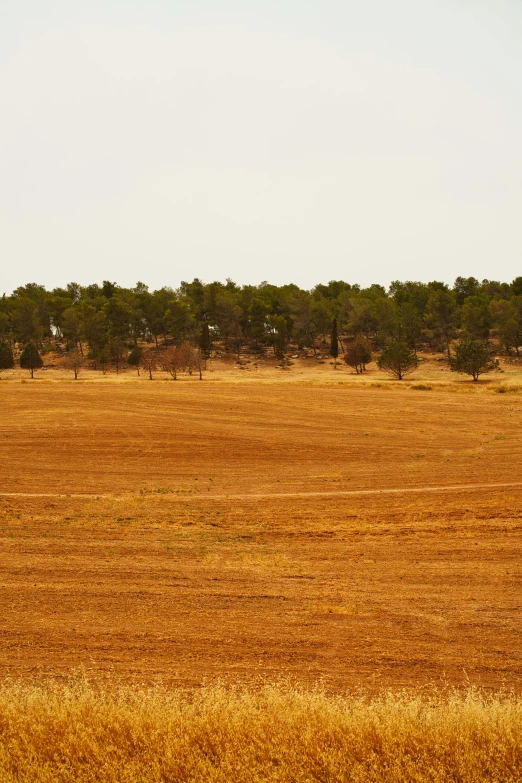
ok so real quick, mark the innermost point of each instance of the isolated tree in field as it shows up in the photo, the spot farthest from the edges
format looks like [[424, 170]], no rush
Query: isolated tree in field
[[73, 361], [358, 355], [30, 359], [473, 357], [150, 362], [135, 358], [6, 356], [397, 360], [334, 342]]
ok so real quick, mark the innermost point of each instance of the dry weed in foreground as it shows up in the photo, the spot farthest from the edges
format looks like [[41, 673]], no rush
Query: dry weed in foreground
[[74, 732]]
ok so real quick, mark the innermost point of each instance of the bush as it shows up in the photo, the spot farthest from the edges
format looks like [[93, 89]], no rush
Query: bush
[[358, 355]]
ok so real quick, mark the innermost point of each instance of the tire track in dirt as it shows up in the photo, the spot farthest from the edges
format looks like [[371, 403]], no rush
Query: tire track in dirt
[[261, 495]]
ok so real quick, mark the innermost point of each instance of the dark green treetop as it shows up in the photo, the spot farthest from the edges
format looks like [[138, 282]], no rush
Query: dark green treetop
[[397, 360], [473, 357], [30, 359]]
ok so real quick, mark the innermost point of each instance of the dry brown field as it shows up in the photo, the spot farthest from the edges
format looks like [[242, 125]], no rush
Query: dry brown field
[[306, 524]]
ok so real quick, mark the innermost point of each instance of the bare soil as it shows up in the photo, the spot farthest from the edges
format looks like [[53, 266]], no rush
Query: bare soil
[[361, 535]]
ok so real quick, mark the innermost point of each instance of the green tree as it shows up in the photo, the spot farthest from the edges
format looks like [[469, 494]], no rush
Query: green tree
[[6, 356], [4, 324], [228, 317], [179, 320], [120, 317], [205, 340], [504, 319], [476, 317], [95, 328], [58, 302], [334, 342], [387, 319], [102, 359], [71, 325], [397, 360], [30, 359], [257, 320], [357, 315], [280, 332], [441, 316], [27, 326], [135, 358], [473, 357], [409, 324], [117, 351], [465, 287]]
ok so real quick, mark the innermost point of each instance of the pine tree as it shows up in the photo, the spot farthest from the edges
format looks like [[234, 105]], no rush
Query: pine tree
[[397, 360], [6, 356], [473, 357], [135, 358], [30, 359], [334, 345], [205, 342]]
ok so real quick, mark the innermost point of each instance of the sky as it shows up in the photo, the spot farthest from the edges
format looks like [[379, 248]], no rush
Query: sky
[[279, 140]]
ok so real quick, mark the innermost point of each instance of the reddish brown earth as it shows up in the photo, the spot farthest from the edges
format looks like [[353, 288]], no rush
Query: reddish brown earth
[[198, 548]]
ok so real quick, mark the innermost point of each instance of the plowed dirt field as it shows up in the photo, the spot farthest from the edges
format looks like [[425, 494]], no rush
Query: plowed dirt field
[[188, 531]]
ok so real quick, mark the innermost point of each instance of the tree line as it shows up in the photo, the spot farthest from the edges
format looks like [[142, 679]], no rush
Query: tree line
[[108, 324]]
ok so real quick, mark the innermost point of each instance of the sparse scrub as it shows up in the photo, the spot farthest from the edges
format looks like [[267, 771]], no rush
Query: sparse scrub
[[74, 732], [512, 389]]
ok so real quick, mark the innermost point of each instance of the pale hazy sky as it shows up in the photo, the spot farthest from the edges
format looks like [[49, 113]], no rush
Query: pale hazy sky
[[284, 140]]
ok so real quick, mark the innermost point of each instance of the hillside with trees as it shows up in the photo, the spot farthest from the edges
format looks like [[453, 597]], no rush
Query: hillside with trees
[[107, 326]]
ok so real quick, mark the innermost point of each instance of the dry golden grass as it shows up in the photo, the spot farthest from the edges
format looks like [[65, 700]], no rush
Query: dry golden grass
[[52, 733]]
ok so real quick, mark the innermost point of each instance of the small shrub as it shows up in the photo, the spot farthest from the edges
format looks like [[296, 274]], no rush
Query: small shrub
[[508, 389]]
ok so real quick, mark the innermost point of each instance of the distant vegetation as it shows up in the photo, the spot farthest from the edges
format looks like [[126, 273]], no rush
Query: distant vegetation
[[74, 733], [107, 325]]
